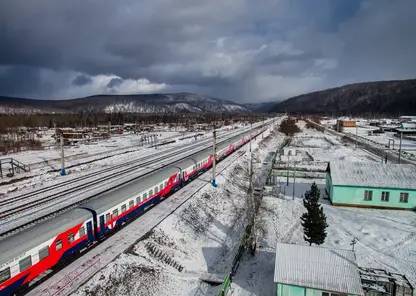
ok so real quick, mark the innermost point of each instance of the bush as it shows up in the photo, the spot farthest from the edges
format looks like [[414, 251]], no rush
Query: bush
[[289, 127]]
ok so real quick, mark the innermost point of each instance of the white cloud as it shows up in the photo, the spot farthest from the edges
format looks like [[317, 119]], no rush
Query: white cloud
[[99, 85]]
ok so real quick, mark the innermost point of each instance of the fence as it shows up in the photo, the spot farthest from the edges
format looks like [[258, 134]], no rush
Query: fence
[[66, 284]]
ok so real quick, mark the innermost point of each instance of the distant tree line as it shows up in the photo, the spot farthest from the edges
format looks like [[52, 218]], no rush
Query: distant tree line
[[85, 119]]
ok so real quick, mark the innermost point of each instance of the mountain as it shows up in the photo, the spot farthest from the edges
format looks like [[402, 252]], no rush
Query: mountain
[[371, 98], [149, 103]]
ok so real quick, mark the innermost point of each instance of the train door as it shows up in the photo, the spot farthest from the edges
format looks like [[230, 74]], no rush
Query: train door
[[89, 231], [102, 225]]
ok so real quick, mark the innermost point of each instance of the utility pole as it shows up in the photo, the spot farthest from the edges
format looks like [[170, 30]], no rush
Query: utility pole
[[63, 173], [356, 135], [214, 157], [251, 125], [294, 179], [400, 146], [287, 173], [109, 129]]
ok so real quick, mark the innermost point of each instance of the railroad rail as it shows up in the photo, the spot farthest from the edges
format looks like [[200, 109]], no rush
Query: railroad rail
[[46, 200]]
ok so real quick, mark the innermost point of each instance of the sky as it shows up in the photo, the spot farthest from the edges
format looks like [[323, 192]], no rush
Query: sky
[[241, 50]]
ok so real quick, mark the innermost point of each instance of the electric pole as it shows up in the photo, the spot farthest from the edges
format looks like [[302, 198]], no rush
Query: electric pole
[[63, 173], [109, 129], [214, 157], [356, 135], [294, 179], [400, 147]]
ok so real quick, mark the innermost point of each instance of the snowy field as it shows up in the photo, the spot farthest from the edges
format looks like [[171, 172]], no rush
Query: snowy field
[[384, 139], [386, 239], [44, 175]]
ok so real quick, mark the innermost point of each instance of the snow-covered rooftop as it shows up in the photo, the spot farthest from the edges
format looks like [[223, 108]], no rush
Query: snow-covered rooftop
[[401, 176], [318, 268]]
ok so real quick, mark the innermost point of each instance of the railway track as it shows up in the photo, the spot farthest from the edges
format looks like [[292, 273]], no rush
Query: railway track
[[45, 200], [92, 178]]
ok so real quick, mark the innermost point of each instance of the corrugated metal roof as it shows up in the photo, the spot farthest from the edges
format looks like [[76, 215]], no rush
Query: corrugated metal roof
[[385, 175], [317, 268]]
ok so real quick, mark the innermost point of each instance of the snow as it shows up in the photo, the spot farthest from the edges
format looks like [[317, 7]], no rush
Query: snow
[[201, 231], [91, 185], [386, 238], [194, 228]]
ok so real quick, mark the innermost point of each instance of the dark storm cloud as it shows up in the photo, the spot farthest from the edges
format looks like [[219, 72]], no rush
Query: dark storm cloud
[[81, 80], [236, 49]]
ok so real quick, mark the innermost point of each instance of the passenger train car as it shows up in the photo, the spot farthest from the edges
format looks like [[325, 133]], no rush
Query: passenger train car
[[26, 255]]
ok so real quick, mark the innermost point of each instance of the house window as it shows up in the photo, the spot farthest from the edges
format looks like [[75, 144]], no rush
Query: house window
[[123, 208], [385, 196], [82, 231], [25, 263], [43, 253], [71, 237], [107, 217], [131, 204], [404, 197], [368, 195], [58, 244], [4, 275]]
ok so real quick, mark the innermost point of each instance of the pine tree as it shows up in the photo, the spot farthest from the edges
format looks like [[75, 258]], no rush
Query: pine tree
[[314, 220]]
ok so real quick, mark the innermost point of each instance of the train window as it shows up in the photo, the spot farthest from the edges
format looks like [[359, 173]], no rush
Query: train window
[[107, 217], [25, 263], [150, 193], [194, 167], [58, 244], [156, 190], [71, 237], [178, 177], [166, 184], [123, 208], [82, 231], [43, 253], [144, 196], [115, 213], [5, 275], [160, 187], [138, 200], [131, 204]]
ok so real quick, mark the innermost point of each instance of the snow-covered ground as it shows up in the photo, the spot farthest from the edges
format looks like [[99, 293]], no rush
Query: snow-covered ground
[[99, 257], [197, 236], [384, 140], [42, 176], [386, 239], [202, 229], [202, 236], [116, 143]]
